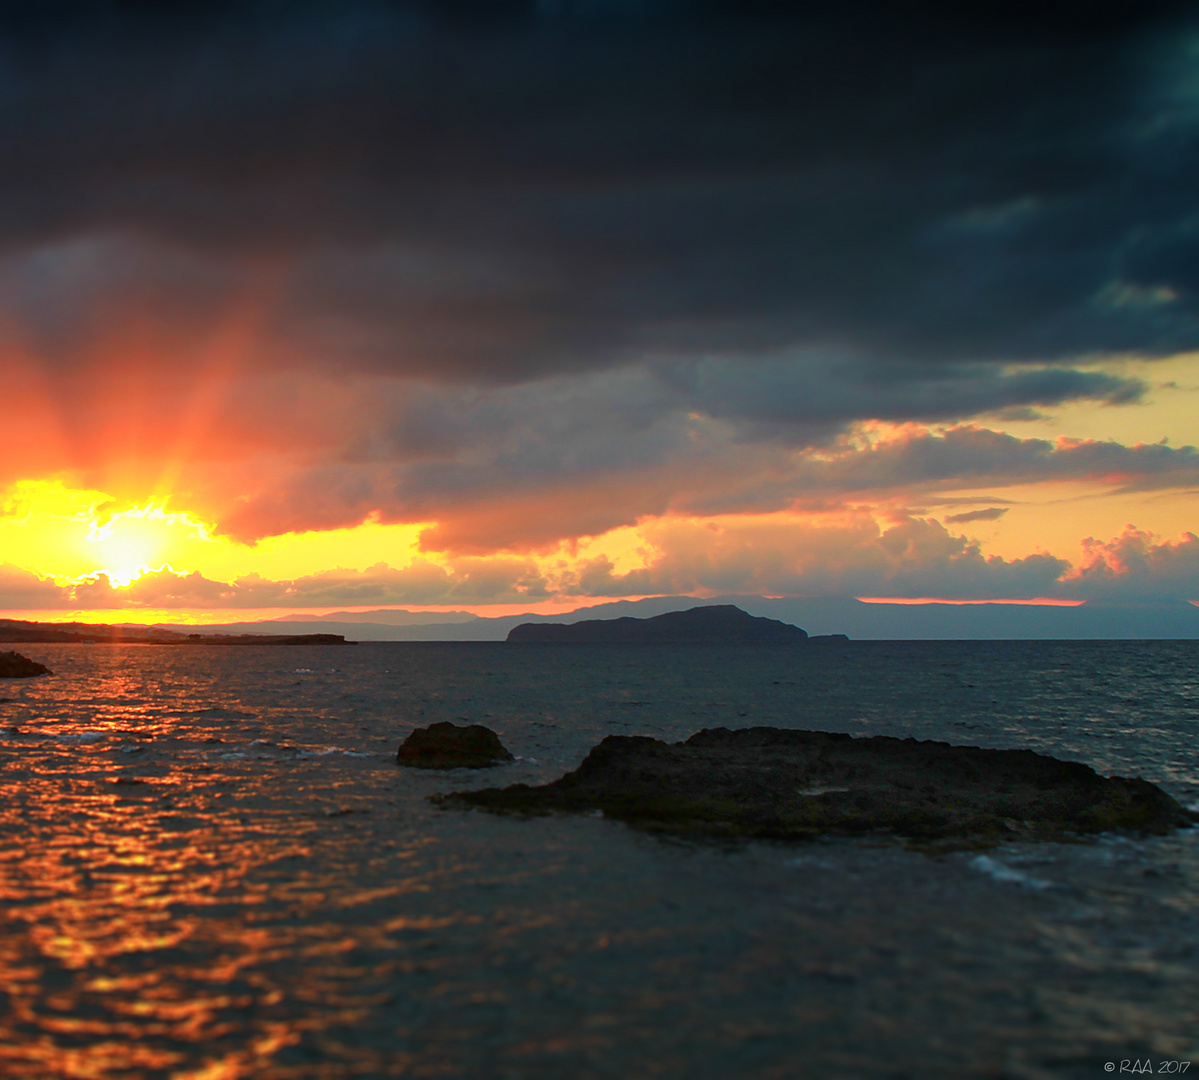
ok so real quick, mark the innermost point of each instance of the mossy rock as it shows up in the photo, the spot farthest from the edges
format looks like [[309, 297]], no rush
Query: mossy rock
[[775, 783], [447, 746]]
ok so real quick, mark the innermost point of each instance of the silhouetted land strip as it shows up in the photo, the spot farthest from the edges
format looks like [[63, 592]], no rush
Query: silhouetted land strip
[[447, 746], [717, 623], [15, 666], [772, 783], [14, 630]]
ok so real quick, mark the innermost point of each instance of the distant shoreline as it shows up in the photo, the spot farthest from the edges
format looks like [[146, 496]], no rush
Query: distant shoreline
[[14, 631]]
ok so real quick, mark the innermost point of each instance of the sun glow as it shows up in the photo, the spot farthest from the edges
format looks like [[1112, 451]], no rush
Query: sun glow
[[70, 535], [133, 542]]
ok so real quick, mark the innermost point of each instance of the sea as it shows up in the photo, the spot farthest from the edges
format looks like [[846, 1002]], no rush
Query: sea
[[211, 868]]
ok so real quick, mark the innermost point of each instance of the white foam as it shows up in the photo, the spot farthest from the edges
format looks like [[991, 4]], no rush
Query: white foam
[[993, 868], [83, 736], [325, 751]]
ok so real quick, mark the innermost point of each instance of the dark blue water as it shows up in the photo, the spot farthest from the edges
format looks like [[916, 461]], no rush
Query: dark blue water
[[212, 868]]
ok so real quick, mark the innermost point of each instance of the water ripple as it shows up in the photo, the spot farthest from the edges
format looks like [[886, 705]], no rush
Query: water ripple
[[210, 871]]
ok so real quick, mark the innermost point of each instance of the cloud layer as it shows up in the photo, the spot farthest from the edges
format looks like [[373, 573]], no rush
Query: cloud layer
[[535, 270], [407, 190], [774, 556], [411, 193]]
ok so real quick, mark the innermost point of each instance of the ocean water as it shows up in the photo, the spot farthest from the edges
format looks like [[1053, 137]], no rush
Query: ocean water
[[211, 868]]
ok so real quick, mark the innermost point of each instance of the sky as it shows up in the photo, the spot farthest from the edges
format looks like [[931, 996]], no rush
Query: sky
[[535, 304]]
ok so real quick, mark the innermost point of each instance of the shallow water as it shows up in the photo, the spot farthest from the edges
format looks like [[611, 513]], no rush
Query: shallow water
[[212, 868]]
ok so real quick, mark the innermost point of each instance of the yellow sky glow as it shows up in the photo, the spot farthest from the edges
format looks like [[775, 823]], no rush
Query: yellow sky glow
[[69, 534], [66, 534]]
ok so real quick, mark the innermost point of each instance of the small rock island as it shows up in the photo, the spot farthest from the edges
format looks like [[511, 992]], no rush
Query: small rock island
[[448, 746], [716, 623], [15, 666], [784, 784]]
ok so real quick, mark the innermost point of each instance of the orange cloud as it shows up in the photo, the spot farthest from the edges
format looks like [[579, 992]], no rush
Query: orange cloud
[[771, 555], [1137, 565]]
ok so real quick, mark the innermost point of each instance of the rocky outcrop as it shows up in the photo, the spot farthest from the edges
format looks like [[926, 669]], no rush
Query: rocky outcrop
[[15, 666], [447, 746], [718, 623], [767, 782]]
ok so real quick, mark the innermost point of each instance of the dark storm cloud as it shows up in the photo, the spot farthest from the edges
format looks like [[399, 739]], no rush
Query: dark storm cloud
[[967, 455], [529, 465], [806, 396], [472, 190]]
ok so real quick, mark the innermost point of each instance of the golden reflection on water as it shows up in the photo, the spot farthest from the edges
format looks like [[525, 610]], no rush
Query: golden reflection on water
[[156, 970], [131, 947], [166, 917]]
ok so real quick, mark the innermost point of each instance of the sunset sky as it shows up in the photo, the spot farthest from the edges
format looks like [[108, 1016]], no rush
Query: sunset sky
[[510, 306]]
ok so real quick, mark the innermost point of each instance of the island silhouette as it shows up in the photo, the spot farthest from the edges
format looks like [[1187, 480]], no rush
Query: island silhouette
[[713, 623]]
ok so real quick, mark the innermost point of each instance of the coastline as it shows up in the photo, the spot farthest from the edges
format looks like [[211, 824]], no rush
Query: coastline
[[13, 631]]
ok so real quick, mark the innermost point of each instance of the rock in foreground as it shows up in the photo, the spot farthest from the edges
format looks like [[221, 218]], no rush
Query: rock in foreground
[[15, 666], [447, 746], [767, 782], [719, 623]]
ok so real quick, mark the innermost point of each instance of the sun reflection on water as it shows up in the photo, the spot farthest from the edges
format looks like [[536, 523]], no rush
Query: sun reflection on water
[[128, 882]]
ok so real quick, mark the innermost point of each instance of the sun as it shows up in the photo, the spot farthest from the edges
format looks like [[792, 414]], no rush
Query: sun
[[131, 542]]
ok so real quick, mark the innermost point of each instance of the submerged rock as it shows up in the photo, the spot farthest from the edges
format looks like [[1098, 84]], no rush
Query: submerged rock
[[718, 623], [447, 746], [767, 782], [15, 666]]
